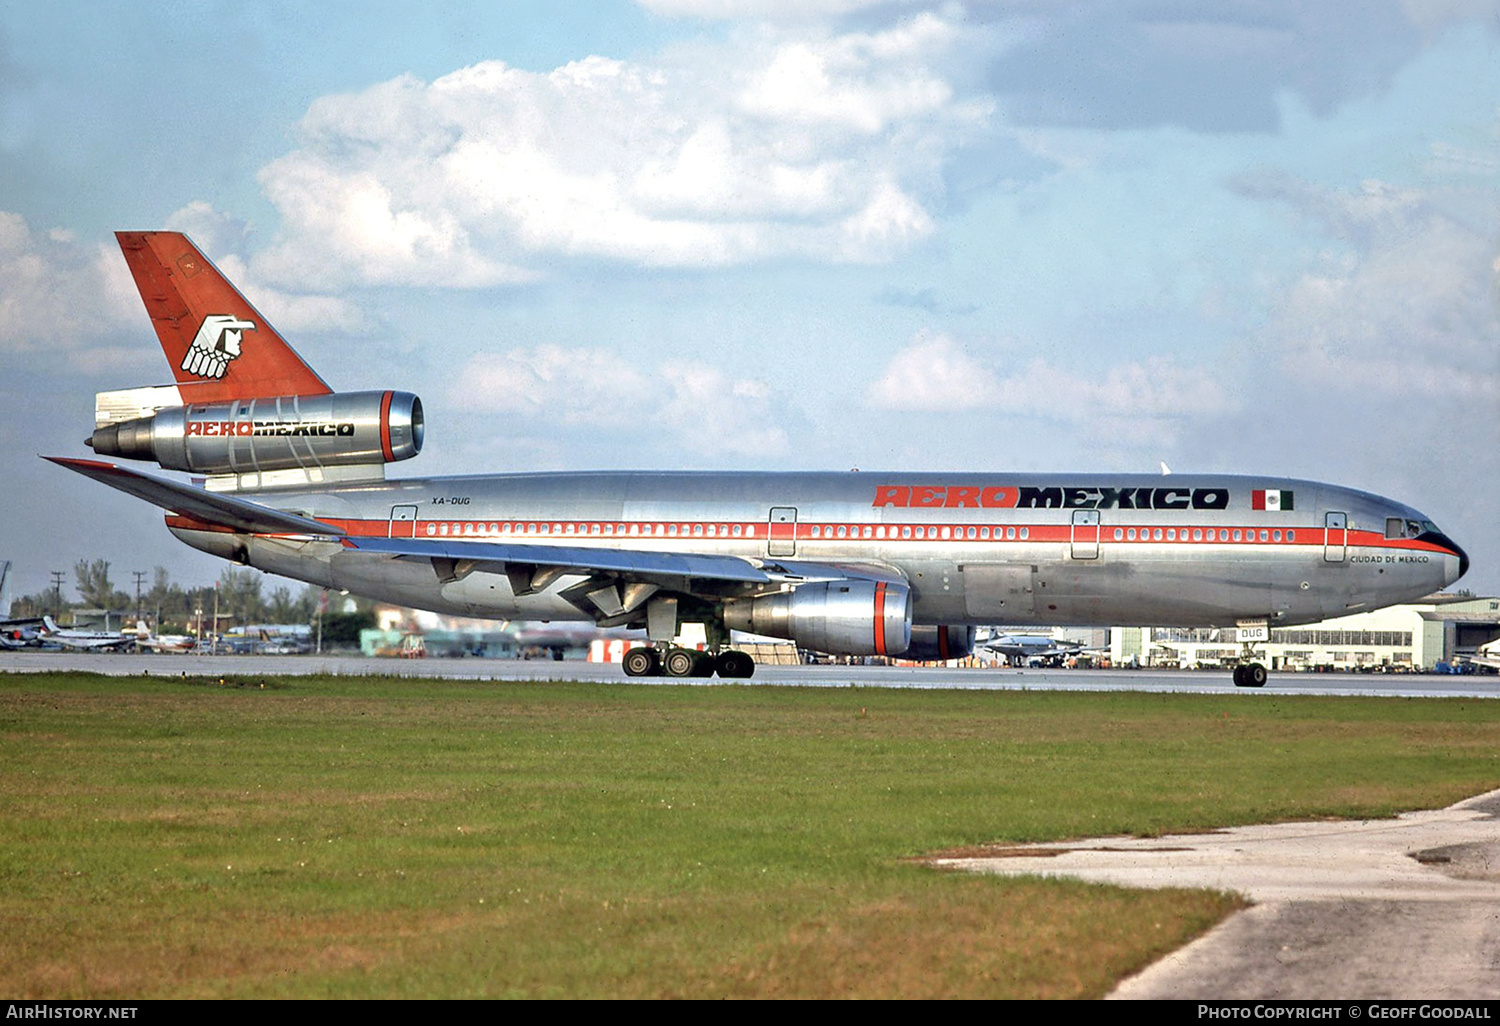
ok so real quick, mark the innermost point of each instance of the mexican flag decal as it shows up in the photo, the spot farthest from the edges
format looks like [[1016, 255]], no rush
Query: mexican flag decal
[[1271, 498]]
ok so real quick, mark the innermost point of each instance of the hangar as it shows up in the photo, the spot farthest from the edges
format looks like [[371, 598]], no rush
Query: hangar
[[1414, 636]]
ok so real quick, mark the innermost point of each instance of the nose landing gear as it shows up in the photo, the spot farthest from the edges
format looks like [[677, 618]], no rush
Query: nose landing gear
[[1250, 675]]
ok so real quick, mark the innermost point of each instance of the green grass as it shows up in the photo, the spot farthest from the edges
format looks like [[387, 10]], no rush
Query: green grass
[[375, 837]]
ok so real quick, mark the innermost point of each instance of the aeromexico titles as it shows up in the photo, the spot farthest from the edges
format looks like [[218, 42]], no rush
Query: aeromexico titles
[[847, 563]]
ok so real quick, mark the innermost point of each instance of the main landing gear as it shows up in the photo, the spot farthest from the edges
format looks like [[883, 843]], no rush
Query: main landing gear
[[1250, 675], [684, 662]]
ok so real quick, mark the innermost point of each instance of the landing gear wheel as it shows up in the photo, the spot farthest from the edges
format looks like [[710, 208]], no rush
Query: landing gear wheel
[[641, 662], [1251, 675], [703, 665], [734, 665], [680, 662]]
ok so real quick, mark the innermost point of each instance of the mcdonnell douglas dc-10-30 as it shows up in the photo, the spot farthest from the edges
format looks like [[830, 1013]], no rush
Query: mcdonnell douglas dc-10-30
[[861, 564]]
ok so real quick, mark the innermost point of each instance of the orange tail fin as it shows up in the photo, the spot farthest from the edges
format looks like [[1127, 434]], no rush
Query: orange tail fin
[[219, 346]]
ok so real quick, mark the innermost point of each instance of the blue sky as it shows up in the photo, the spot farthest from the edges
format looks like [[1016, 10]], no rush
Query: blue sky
[[1252, 237]]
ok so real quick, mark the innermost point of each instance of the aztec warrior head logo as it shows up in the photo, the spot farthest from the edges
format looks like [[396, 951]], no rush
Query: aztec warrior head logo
[[217, 342]]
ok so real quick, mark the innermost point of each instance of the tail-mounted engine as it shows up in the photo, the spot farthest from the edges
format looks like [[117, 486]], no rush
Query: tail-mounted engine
[[250, 437], [841, 617]]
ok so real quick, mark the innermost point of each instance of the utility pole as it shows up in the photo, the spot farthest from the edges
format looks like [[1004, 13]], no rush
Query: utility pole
[[139, 575], [57, 578]]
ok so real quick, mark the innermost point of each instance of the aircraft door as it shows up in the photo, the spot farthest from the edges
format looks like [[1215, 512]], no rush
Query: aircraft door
[[1335, 536], [1085, 534], [403, 522], [781, 532]]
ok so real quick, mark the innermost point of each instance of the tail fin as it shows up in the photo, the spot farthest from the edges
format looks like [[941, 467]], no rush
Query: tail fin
[[219, 346]]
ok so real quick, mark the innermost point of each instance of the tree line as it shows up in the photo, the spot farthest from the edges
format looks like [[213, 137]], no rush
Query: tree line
[[171, 608]]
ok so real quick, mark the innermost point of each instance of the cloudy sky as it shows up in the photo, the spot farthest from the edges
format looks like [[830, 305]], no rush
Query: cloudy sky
[[1254, 236]]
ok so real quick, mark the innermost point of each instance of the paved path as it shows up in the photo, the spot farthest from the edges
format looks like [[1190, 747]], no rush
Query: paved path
[[1400, 908]]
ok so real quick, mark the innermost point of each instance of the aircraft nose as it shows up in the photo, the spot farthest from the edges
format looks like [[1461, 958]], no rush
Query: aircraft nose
[[1452, 546]]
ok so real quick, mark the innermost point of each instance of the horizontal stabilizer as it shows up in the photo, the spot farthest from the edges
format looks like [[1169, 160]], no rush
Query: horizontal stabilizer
[[188, 501]]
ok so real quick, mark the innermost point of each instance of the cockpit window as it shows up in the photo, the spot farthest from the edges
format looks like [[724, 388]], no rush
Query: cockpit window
[[1398, 527]]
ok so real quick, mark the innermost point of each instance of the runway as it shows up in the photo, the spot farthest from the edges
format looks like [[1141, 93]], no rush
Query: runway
[[1412, 685]]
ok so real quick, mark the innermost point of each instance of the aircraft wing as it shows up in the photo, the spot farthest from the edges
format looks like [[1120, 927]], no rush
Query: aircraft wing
[[188, 501], [494, 556], [532, 568]]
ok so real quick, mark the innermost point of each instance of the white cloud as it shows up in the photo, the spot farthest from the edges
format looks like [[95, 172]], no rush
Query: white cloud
[[1135, 402], [225, 238], [705, 410], [933, 373], [769, 144], [60, 298], [771, 10], [1405, 305]]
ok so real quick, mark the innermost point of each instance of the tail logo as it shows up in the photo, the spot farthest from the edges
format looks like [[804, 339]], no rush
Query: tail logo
[[215, 345]]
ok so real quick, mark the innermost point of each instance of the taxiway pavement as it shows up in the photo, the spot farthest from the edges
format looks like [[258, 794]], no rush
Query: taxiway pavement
[[1405, 908]]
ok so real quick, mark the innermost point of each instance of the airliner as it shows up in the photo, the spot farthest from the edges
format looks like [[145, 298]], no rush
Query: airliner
[[858, 563]]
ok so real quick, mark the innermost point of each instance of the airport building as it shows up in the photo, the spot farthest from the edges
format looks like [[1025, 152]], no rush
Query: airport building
[[1412, 637]]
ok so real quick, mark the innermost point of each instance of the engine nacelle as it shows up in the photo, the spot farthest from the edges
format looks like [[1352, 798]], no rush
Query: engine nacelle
[[940, 643], [839, 617], [247, 436]]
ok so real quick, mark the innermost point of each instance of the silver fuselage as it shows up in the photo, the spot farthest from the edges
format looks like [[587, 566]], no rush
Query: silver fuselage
[[1074, 549]]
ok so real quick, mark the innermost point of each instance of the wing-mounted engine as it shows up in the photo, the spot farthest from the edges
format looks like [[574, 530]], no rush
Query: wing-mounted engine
[[264, 442], [941, 643], [848, 617]]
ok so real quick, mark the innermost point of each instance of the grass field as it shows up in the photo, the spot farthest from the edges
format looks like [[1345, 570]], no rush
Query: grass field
[[369, 837]]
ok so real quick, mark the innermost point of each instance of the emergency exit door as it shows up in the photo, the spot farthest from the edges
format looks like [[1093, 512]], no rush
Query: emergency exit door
[[1335, 537], [1085, 534], [781, 532], [403, 522]]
